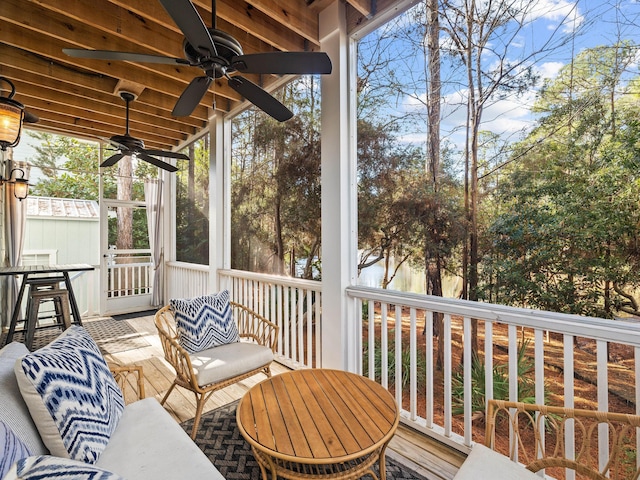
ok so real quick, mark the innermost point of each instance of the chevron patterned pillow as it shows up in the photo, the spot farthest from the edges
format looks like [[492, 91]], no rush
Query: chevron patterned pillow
[[46, 466], [71, 394], [204, 322]]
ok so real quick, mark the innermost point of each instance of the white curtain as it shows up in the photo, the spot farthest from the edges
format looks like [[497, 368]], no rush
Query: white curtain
[[15, 218], [154, 207]]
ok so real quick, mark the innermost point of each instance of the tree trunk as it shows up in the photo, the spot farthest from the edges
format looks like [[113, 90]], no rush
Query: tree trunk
[[433, 260]]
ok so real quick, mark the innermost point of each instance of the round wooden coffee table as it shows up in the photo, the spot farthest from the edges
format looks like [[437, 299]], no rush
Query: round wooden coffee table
[[318, 424]]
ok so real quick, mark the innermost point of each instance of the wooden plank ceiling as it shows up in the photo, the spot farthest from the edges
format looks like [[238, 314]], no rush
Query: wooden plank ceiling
[[77, 96]]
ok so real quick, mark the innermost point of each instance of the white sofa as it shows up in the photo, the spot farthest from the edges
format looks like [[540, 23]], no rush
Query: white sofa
[[147, 443]]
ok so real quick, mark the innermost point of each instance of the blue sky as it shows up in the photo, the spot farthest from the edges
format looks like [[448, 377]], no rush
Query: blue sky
[[547, 23]]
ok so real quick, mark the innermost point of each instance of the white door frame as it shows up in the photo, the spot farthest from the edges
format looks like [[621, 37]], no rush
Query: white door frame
[[138, 300]]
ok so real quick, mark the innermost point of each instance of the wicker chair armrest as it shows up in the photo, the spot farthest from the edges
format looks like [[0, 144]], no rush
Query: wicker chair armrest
[[254, 326], [547, 426], [122, 372], [174, 353]]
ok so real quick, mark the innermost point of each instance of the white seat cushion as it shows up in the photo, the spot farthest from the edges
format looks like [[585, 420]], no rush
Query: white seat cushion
[[227, 361], [486, 464], [148, 444]]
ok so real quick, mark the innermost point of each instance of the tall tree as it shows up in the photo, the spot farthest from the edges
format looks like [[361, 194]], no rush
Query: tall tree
[[570, 228]]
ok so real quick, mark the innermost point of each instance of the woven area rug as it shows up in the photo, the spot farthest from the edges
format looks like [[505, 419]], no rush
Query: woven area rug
[[112, 336], [219, 438]]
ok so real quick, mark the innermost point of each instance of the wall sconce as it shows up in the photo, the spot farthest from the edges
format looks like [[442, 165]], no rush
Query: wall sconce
[[12, 114], [20, 184]]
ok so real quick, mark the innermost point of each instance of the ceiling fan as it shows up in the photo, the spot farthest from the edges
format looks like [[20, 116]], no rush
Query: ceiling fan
[[128, 145], [219, 55]]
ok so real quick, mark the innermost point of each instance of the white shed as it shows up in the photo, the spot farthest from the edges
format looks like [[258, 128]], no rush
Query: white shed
[[63, 231]]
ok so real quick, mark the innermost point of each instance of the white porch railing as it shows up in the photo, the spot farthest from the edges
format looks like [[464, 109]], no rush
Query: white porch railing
[[186, 280], [427, 399], [428, 393], [293, 304], [129, 279]]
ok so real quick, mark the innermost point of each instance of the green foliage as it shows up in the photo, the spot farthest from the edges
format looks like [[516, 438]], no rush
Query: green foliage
[[564, 237], [526, 384], [69, 167], [192, 206], [275, 189], [405, 365]]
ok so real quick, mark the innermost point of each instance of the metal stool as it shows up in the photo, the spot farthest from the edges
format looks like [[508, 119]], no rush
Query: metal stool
[[60, 299]]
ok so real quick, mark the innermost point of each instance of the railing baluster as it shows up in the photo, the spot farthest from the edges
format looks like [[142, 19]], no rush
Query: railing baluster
[[398, 356], [384, 347], [569, 438], [447, 375], [371, 339], [428, 327], [413, 372], [603, 400], [466, 348], [309, 300]]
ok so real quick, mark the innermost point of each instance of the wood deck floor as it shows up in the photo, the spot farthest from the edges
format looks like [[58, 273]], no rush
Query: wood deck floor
[[427, 457]]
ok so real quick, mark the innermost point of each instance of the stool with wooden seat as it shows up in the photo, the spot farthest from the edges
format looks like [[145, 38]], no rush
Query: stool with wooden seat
[[38, 295]]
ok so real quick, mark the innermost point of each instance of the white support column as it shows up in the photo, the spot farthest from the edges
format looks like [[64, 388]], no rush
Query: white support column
[[218, 207], [338, 196]]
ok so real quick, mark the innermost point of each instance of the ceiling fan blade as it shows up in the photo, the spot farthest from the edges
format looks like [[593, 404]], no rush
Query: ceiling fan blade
[[167, 154], [154, 161], [260, 98], [283, 63], [187, 18], [125, 56], [112, 160], [191, 97]]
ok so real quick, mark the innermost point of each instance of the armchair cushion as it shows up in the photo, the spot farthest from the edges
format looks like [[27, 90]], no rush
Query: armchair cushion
[[227, 361], [73, 398], [45, 466], [486, 464], [204, 322], [11, 449]]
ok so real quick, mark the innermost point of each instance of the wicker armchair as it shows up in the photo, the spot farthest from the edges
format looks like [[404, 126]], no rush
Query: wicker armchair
[[132, 390], [205, 372], [537, 439]]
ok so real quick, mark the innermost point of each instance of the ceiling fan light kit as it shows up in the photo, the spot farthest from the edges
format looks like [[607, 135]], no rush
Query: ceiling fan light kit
[[219, 55]]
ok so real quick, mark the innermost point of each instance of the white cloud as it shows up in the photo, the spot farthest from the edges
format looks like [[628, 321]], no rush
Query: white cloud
[[549, 69]]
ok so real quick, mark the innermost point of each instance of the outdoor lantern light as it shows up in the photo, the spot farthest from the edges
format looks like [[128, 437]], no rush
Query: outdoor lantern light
[[12, 114], [20, 184]]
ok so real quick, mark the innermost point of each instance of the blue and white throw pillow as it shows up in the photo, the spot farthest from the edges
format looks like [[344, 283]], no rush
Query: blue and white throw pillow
[[48, 467], [72, 396], [11, 449], [204, 322]]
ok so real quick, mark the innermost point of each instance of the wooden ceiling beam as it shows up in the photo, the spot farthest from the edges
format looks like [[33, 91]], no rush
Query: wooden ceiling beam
[[152, 12], [60, 124], [79, 36], [52, 111], [293, 14], [247, 18], [109, 105], [364, 7], [40, 99], [92, 86], [118, 22]]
